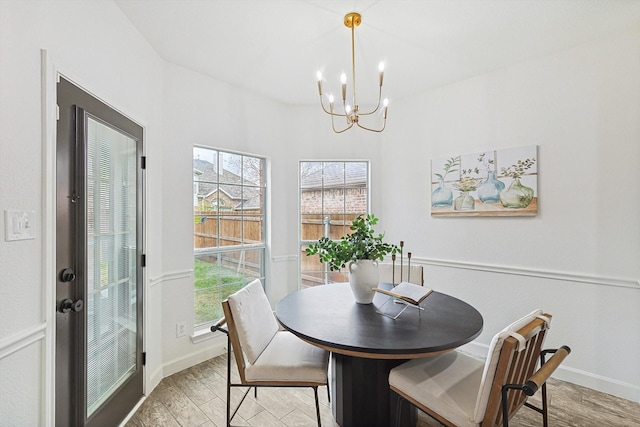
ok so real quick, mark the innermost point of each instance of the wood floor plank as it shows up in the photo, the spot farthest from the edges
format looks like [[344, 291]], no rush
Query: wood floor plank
[[196, 397]]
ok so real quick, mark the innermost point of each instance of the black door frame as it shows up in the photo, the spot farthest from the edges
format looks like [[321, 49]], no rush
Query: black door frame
[[74, 102]]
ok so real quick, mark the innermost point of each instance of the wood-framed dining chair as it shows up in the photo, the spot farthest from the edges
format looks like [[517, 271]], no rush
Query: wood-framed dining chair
[[265, 355], [459, 390]]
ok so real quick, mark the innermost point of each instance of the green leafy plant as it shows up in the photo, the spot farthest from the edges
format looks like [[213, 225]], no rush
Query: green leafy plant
[[449, 167], [363, 243], [517, 170]]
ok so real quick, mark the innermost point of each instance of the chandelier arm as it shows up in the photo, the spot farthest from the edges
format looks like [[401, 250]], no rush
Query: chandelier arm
[[339, 131], [377, 106], [384, 124], [329, 112], [323, 107]]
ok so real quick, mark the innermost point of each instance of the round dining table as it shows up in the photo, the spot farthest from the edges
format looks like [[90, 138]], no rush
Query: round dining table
[[365, 344]]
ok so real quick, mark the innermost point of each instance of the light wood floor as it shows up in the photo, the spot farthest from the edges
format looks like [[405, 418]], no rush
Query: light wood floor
[[196, 396]]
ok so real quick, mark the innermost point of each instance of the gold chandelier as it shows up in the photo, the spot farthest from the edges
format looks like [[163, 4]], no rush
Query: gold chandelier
[[350, 111]]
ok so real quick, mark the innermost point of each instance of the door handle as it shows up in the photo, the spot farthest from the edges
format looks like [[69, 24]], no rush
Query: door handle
[[67, 275], [67, 305]]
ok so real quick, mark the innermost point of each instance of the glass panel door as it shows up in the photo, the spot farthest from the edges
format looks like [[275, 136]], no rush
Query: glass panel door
[[99, 292], [111, 260]]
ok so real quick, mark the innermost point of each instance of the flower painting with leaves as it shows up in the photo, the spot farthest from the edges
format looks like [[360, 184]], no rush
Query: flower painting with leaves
[[489, 183]]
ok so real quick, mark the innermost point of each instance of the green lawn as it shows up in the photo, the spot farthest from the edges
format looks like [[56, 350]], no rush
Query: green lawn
[[212, 285]]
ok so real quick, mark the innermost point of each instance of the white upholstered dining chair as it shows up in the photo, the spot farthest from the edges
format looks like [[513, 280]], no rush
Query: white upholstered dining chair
[[459, 390], [265, 355]]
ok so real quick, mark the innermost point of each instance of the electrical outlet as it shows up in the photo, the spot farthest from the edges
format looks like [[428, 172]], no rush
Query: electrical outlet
[[181, 329]]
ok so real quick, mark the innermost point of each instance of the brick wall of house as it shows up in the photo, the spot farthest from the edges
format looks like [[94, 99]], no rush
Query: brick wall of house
[[312, 203]]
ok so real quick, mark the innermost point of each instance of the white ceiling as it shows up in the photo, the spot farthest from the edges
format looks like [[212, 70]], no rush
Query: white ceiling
[[275, 47]]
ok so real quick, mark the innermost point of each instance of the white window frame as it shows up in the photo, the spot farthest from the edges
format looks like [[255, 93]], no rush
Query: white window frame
[[302, 243], [219, 251]]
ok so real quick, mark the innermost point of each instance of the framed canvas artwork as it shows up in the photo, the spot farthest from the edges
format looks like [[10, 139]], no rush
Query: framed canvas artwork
[[489, 183]]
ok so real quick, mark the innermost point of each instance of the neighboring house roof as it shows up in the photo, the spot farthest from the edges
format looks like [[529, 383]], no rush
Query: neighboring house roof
[[334, 175], [230, 183], [254, 202]]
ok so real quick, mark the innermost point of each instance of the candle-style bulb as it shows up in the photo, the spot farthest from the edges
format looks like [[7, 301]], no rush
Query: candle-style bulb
[[331, 99], [319, 77], [343, 80]]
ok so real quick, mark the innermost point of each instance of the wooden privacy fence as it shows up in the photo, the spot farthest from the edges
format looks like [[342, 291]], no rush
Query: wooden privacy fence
[[313, 225], [234, 229]]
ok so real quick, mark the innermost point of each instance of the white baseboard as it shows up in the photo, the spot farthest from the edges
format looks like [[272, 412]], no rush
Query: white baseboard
[[596, 382], [576, 376], [216, 347], [154, 380]]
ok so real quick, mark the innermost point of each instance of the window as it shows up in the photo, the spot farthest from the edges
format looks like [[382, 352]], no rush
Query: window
[[332, 194], [228, 227], [219, 203]]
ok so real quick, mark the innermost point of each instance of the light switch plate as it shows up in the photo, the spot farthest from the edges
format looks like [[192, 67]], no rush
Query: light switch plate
[[19, 225]]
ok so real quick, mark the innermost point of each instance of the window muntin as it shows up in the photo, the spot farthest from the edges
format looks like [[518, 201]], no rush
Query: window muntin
[[331, 195], [229, 227]]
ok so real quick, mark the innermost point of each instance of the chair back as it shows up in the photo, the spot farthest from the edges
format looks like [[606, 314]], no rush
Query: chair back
[[512, 359], [250, 322], [394, 274]]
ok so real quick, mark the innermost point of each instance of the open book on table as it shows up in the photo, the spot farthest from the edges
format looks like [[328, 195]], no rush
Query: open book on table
[[409, 292]]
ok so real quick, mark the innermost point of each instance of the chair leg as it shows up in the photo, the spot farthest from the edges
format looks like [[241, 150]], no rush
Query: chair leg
[[315, 393], [328, 393], [545, 421], [228, 382]]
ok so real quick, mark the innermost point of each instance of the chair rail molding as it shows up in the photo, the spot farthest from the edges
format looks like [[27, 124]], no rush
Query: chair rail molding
[[22, 339], [174, 275], [284, 258], [531, 272]]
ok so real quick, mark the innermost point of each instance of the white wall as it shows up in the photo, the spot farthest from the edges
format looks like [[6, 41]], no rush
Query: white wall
[[201, 111], [95, 46], [579, 258]]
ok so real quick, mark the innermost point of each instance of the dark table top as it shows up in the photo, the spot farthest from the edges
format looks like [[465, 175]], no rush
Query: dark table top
[[329, 317]]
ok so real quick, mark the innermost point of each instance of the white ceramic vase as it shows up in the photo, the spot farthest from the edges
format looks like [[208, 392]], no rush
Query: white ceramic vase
[[363, 277]]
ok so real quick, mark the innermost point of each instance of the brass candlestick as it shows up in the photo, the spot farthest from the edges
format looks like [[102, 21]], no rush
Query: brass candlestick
[[401, 247], [393, 269]]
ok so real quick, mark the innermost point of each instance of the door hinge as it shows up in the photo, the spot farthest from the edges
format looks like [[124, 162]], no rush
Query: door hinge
[[144, 358], [143, 162], [143, 260], [57, 112]]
